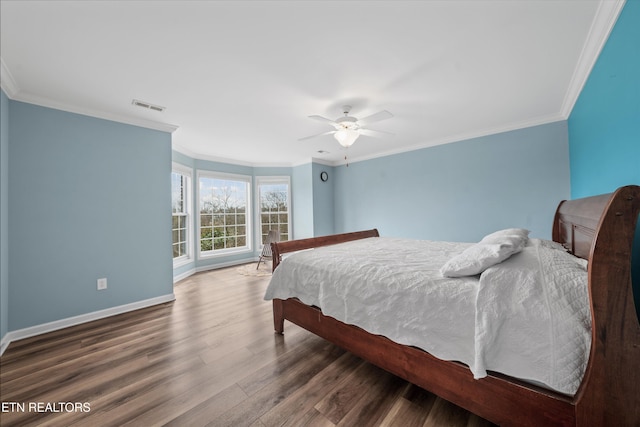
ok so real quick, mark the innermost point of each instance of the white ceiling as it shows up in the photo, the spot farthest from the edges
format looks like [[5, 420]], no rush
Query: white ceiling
[[238, 79]]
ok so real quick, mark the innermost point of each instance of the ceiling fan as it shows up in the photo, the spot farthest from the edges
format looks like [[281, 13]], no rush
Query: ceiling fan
[[348, 128]]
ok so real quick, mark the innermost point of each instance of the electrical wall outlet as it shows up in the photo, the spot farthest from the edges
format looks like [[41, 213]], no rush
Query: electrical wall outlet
[[102, 284]]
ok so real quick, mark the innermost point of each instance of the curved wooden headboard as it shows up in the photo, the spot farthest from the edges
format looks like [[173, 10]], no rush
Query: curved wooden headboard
[[576, 222], [601, 229]]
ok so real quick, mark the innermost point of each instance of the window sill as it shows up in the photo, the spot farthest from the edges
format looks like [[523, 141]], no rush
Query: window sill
[[224, 253]]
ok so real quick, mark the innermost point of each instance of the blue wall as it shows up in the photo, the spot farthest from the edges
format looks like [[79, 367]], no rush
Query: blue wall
[[84, 203], [302, 203], [4, 214], [323, 205], [459, 191], [604, 126]]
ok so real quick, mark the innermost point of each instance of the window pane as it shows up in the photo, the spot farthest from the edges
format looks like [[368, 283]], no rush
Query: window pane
[[218, 231], [218, 243], [274, 207], [226, 199], [206, 245], [177, 192], [206, 220], [206, 233], [180, 185]]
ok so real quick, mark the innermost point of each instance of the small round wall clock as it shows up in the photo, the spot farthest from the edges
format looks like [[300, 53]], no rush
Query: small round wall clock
[[324, 176]]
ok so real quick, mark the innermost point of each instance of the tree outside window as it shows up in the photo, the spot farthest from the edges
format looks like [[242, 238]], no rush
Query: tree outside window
[[274, 201], [223, 213]]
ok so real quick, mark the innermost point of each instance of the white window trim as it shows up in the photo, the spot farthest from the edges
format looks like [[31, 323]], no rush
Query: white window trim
[[187, 172], [224, 252], [258, 221]]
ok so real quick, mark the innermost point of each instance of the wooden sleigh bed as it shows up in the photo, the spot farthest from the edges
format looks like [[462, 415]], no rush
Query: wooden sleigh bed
[[599, 229]]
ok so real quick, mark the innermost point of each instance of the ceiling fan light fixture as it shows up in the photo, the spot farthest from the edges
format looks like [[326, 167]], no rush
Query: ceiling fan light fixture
[[346, 137]]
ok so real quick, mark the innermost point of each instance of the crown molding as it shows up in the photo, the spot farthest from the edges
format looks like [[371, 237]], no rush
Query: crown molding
[[228, 161], [321, 162], [7, 83], [49, 103], [603, 22], [459, 138], [14, 93]]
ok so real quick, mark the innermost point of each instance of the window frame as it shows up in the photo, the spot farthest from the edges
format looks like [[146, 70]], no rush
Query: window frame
[[216, 253], [260, 180], [187, 173]]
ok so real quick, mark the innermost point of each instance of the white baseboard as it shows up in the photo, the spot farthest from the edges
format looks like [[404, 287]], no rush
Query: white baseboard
[[193, 271], [77, 320], [225, 264], [4, 343], [184, 275]]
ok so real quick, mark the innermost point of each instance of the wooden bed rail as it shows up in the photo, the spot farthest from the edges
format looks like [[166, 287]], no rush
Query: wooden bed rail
[[279, 248]]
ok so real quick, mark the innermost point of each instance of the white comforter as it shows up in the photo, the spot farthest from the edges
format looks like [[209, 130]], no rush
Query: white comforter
[[526, 317]]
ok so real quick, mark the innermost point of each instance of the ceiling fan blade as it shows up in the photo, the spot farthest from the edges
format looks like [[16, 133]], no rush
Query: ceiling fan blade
[[323, 119], [374, 133], [381, 115], [314, 136]]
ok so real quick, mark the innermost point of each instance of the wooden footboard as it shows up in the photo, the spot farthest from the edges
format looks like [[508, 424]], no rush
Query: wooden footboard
[[279, 248], [600, 229]]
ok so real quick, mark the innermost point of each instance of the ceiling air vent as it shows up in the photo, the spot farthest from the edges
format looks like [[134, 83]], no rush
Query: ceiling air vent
[[147, 105]]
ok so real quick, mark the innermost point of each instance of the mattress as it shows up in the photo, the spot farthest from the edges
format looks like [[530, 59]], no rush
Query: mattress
[[514, 318]]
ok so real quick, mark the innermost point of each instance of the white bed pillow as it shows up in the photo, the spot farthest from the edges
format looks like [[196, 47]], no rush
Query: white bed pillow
[[491, 250], [550, 244], [515, 236]]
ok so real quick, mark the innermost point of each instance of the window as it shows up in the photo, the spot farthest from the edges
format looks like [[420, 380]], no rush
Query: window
[[224, 213], [274, 204], [180, 208]]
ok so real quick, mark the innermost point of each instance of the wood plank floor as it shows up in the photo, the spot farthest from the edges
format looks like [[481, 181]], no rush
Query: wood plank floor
[[209, 358]]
